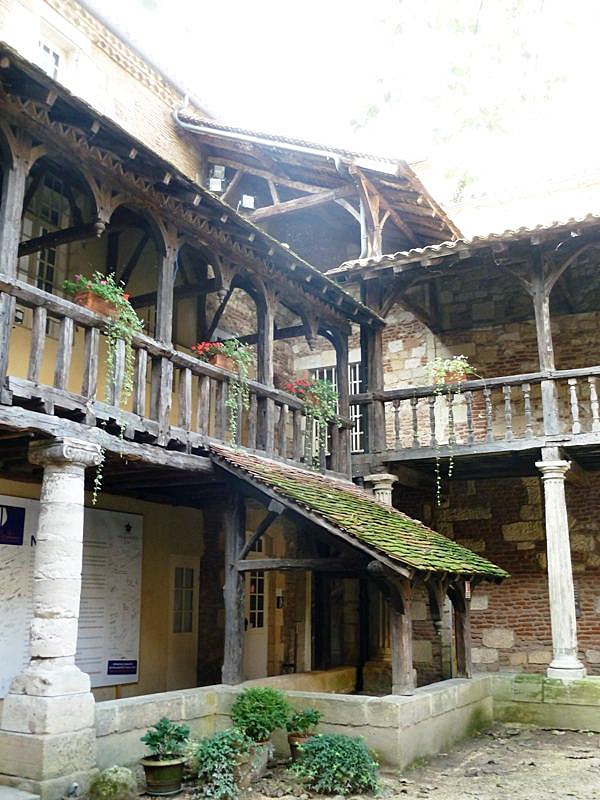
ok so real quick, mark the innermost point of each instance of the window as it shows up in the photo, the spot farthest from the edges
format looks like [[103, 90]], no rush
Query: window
[[49, 59], [183, 600], [46, 266], [256, 596], [355, 383]]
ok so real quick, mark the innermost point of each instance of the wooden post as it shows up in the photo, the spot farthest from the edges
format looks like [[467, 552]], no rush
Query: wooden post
[[363, 631], [266, 405], [403, 674], [460, 595], [540, 293], [344, 463], [371, 348], [164, 298], [11, 207], [233, 590]]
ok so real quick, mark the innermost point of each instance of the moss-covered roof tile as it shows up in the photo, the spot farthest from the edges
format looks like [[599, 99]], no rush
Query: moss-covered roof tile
[[357, 513]]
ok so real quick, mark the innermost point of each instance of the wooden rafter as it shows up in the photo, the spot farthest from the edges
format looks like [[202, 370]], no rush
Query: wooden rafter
[[370, 191], [302, 203], [233, 183]]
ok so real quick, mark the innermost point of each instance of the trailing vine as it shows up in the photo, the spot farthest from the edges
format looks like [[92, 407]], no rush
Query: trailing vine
[[441, 372], [320, 407]]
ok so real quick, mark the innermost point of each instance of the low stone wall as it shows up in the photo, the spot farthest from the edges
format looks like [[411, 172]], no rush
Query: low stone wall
[[399, 729], [547, 702]]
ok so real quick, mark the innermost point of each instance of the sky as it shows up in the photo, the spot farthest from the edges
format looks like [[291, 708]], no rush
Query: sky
[[487, 96]]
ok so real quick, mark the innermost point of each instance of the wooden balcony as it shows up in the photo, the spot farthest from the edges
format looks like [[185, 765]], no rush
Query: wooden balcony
[[55, 365], [503, 416]]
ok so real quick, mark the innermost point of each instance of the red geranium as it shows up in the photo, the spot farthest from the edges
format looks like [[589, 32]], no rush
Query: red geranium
[[205, 350]]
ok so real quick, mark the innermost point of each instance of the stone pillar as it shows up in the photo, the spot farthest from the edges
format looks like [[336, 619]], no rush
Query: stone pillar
[[382, 486], [47, 736], [565, 663]]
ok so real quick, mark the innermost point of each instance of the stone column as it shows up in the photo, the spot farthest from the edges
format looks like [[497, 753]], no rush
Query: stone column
[[565, 663], [47, 736], [382, 486]]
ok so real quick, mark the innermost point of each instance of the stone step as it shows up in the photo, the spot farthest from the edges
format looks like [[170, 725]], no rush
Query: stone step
[[8, 793]]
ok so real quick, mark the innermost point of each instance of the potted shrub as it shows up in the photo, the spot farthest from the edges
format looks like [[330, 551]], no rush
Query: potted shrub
[[220, 763], [234, 357], [336, 764], [454, 369], [257, 712], [320, 406], [164, 768], [299, 727]]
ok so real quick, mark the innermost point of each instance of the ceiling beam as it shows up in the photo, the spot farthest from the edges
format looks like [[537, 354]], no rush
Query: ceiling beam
[[77, 233], [301, 203]]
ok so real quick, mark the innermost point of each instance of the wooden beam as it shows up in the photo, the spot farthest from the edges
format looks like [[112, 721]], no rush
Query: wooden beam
[[134, 258], [274, 193], [56, 238], [460, 595], [301, 203], [394, 216], [218, 314], [310, 564], [280, 333], [274, 510], [232, 186], [301, 186], [179, 293]]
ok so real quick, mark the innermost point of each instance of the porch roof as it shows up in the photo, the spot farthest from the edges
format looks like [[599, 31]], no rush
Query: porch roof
[[350, 511]]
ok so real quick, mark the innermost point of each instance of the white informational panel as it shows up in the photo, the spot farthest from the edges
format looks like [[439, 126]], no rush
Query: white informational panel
[[108, 643]]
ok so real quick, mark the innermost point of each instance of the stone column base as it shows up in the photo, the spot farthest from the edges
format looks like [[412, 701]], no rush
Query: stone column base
[[566, 668], [47, 764]]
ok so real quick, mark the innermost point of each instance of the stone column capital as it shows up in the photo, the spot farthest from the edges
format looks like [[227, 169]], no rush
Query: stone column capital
[[63, 451], [381, 480], [553, 470]]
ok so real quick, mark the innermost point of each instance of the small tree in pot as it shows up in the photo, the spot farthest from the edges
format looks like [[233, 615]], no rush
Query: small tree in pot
[[300, 726], [164, 768], [258, 711]]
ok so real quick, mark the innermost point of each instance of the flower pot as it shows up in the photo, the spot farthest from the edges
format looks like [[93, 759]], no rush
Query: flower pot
[[253, 766], [95, 303], [222, 361], [163, 776], [454, 377], [294, 741]]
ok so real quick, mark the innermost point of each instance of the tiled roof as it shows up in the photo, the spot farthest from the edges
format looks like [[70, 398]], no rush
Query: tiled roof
[[283, 140], [570, 227], [355, 512]]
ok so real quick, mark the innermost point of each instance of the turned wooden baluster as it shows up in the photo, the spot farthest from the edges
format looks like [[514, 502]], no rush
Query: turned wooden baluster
[[451, 434], [506, 391], [431, 400], [282, 430], [221, 411], [469, 403], [396, 405], [526, 390], [139, 382], [489, 419], [115, 380], [594, 405], [252, 421], [415, 422], [89, 384], [574, 403]]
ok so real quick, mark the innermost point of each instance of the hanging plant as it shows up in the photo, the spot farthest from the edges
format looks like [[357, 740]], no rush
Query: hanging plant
[[230, 354], [105, 295], [443, 372], [320, 407]]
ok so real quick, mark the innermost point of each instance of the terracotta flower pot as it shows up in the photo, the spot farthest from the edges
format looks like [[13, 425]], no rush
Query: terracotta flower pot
[[163, 776], [294, 741], [455, 377], [94, 303], [222, 361]]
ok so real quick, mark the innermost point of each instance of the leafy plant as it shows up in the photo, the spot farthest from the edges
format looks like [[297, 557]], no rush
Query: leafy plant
[[301, 722], [214, 762], [166, 739], [114, 783], [336, 764], [320, 405], [238, 396], [258, 711]]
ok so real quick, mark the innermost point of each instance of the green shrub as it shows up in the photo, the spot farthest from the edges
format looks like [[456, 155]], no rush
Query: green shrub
[[336, 764], [259, 711], [114, 783], [301, 722], [214, 761], [166, 739]]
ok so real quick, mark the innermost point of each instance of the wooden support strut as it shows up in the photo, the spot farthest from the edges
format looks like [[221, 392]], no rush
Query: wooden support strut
[[274, 510]]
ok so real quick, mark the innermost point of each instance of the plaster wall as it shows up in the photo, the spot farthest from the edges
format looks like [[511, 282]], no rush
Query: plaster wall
[[159, 547]]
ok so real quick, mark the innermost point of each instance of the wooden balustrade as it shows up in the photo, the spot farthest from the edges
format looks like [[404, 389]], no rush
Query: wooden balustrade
[[176, 399], [498, 412]]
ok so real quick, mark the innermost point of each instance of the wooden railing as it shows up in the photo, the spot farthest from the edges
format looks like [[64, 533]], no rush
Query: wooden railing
[[56, 365], [495, 412]]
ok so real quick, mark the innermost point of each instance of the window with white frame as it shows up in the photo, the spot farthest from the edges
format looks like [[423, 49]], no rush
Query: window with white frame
[[183, 600], [355, 384], [49, 58]]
